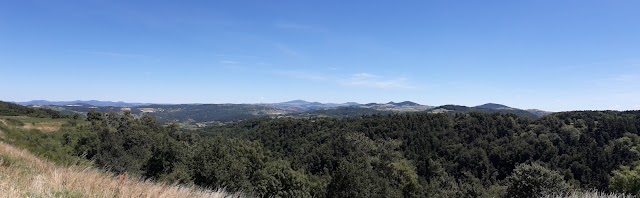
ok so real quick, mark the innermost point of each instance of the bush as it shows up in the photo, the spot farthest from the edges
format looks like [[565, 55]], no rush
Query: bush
[[533, 180], [626, 180]]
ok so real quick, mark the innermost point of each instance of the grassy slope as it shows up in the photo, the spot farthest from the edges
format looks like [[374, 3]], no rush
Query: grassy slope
[[23, 174], [35, 134], [27, 123]]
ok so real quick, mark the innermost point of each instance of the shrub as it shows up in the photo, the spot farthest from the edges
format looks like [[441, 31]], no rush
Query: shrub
[[626, 180], [533, 180]]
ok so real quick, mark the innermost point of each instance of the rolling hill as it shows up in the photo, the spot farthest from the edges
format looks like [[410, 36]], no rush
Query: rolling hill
[[490, 108], [289, 157], [202, 115], [81, 102]]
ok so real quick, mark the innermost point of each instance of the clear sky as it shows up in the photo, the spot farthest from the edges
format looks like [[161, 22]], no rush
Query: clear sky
[[547, 54]]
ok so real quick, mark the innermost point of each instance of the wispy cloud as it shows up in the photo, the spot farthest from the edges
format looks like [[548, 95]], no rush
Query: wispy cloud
[[618, 91], [359, 80], [374, 81], [286, 50], [229, 62], [299, 27], [615, 107], [619, 82], [236, 56], [304, 75]]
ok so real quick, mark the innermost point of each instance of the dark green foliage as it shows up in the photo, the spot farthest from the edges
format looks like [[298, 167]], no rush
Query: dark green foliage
[[397, 155], [12, 109], [229, 163], [143, 147], [452, 154], [490, 108], [533, 180], [626, 180], [277, 179]]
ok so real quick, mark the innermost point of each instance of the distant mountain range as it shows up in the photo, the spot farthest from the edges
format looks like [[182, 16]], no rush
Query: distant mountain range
[[82, 102], [199, 115]]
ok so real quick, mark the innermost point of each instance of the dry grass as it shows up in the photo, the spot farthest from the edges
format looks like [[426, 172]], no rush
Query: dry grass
[[44, 127], [24, 175], [1, 132], [2, 123], [41, 124], [589, 194]]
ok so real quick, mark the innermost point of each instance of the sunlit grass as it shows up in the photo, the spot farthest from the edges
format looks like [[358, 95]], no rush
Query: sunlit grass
[[24, 175], [30, 123]]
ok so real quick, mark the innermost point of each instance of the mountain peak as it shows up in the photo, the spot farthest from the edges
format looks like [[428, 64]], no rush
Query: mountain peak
[[493, 106], [405, 103], [296, 101]]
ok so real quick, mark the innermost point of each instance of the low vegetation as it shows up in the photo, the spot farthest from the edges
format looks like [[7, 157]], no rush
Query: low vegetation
[[25, 175], [58, 171]]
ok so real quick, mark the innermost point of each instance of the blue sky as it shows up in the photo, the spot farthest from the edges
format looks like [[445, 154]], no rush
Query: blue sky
[[552, 55]]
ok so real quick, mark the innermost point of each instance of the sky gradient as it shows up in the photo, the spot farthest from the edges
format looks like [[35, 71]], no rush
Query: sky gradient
[[551, 55]]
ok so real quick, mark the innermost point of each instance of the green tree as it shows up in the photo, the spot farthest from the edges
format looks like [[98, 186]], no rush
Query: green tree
[[534, 180], [94, 116], [277, 179], [626, 180]]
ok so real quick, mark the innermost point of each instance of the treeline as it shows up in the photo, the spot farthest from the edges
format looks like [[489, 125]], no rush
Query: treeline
[[400, 155], [489, 109], [457, 155], [12, 109]]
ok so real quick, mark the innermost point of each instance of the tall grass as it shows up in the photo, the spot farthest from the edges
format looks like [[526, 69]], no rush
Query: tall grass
[[589, 194], [46, 125], [25, 175]]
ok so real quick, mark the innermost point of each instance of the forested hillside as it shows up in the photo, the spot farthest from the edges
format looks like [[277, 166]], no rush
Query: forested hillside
[[58, 171], [11, 109], [397, 155]]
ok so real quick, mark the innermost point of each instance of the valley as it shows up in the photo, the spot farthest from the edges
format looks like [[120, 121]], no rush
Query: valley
[[205, 115]]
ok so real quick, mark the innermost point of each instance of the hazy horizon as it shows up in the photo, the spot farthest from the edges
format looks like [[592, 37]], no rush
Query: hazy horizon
[[381, 102], [548, 55]]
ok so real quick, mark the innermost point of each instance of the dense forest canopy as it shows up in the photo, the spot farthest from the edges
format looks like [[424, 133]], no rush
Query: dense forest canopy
[[397, 155]]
